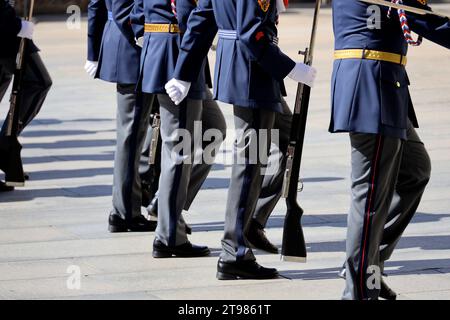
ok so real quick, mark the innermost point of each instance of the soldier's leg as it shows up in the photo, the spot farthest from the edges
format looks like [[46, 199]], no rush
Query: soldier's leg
[[6, 76], [246, 181], [375, 165], [415, 171], [132, 120], [212, 118], [36, 84], [176, 166], [273, 181]]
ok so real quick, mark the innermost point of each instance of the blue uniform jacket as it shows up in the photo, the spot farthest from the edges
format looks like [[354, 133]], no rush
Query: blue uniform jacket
[[10, 26], [250, 68], [373, 96], [111, 41], [160, 50]]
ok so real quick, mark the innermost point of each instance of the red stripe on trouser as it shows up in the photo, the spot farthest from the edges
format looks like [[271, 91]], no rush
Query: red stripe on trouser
[[371, 202]]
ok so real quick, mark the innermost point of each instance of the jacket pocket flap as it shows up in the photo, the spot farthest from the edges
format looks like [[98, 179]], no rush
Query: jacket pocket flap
[[394, 74]]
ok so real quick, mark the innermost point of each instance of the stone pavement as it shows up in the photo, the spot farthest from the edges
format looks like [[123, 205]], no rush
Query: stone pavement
[[59, 219]]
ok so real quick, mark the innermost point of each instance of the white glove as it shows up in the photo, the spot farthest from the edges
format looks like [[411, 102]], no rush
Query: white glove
[[304, 74], [177, 90], [140, 41], [27, 30], [91, 68], [280, 6]]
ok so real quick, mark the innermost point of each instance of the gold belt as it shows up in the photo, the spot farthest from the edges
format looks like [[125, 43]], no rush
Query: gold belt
[[161, 28], [370, 55]]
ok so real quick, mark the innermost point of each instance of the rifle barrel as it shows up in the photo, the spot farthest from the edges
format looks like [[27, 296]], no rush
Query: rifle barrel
[[312, 43]]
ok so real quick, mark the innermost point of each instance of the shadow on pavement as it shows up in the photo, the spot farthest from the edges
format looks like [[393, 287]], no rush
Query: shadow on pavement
[[55, 133], [105, 156], [435, 242], [224, 183], [408, 267], [47, 121], [69, 144], [318, 220], [70, 192], [67, 174], [50, 121]]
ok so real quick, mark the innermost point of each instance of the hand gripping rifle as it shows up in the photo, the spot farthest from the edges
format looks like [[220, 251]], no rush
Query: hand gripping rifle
[[294, 247], [11, 162]]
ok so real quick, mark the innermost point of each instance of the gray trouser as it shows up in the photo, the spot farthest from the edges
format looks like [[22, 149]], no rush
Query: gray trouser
[[246, 179], [212, 118], [132, 123], [389, 176], [181, 176], [273, 182]]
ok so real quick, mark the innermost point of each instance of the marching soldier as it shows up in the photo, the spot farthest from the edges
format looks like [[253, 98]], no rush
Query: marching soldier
[[250, 69], [114, 56], [162, 22], [272, 183], [36, 82], [371, 101]]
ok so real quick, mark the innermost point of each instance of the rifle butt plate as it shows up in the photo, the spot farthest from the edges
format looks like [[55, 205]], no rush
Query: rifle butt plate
[[14, 184], [293, 259]]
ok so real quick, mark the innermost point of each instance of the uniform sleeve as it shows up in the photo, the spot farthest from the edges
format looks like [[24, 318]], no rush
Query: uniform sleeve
[[252, 34], [138, 18], [10, 24], [201, 30], [97, 17], [184, 9], [431, 27], [121, 10]]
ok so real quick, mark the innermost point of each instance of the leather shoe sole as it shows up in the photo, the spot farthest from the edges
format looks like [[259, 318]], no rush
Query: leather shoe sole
[[237, 272], [122, 229], [183, 251], [118, 225], [229, 276]]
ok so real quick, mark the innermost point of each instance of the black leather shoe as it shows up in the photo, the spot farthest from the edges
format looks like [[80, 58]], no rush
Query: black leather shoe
[[386, 292], [187, 250], [243, 270], [5, 188], [257, 237], [137, 224]]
